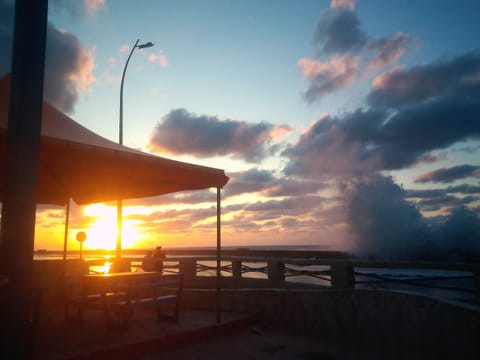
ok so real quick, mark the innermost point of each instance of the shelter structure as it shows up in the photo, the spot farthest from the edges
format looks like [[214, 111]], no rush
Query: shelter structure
[[79, 164], [76, 163]]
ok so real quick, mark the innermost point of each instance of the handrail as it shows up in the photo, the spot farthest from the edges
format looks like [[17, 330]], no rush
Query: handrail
[[280, 268]]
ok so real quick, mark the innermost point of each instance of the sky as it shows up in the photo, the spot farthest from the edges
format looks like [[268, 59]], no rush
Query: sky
[[345, 125]]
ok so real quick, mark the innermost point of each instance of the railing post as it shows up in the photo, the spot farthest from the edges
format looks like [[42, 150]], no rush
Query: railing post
[[236, 272], [476, 281], [343, 276], [276, 273], [188, 266]]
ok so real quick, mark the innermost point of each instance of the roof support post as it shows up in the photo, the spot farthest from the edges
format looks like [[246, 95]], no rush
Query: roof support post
[[19, 205], [65, 235], [219, 247]]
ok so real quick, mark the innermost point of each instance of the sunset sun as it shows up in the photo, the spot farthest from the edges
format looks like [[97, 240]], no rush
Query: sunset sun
[[102, 231]]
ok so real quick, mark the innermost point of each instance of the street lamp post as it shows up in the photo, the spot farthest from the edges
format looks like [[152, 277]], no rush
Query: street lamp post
[[118, 251]]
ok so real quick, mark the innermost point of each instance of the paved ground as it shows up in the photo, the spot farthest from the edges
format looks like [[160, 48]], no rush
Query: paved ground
[[262, 343], [195, 336], [251, 345]]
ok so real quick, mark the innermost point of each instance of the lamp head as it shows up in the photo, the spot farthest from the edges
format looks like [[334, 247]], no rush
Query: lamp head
[[146, 45]]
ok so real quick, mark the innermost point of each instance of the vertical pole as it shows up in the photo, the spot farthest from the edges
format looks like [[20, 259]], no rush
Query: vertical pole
[[276, 273], [65, 235], [219, 246], [343, 276], [118, 248], [20, 186]]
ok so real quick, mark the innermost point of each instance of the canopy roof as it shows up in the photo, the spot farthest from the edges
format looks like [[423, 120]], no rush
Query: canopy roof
[[77, 163]]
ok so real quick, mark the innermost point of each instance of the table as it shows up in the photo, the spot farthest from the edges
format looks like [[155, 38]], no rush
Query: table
[[98, 291], [111, 284]]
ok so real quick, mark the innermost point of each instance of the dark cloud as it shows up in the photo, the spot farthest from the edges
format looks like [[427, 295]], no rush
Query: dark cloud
[[459, 189], [346, 53], [376, 139], [450, 174], [249, 181], [382, 221], [387, 50], [401, 87], [445, 203], [337, 146], [416, 130], [68, 65], [289, 206], [294, 187], [445, 199], [384, 224], [339, 31], [182, 132], [68, 69], [459, 235]]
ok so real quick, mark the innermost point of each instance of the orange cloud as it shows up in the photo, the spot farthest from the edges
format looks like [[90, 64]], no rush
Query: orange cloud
[[160, 58], [343, 4], [92, 6], [84, 75], [124, 48]]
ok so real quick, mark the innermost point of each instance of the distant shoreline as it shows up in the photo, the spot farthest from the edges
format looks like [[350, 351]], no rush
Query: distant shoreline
[[142, 251]]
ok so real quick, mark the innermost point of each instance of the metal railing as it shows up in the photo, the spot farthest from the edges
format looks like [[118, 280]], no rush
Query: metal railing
[[306, 269]]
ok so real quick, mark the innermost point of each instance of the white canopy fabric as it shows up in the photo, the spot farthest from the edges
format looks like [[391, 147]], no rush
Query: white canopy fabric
[[77, 163]]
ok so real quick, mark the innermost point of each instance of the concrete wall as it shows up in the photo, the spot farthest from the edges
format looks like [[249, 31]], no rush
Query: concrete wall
[[385, 324]]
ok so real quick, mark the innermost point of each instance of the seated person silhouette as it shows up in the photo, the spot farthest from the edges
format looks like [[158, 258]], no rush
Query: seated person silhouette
[[148, 263]]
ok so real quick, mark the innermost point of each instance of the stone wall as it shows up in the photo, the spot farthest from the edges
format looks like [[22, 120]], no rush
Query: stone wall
[[385, 323]]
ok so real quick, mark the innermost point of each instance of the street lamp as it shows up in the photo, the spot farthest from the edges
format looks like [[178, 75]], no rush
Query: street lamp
[[118, 251], [141, 46]]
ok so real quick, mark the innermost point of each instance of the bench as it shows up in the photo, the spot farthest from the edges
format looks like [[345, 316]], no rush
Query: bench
[[158, 291], [162, 292]]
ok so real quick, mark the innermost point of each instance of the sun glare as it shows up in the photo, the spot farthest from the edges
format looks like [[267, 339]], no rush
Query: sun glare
[[102, 232]]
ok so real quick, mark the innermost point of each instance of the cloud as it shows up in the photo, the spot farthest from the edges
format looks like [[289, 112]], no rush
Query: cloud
[[292, 206], [458, 189], [377, 138], [124, 48], [252, 180], [327, 77], [386, 51], [338, 31], [381, 220], [345, 4], [68, 64], [450, 174], [401, 87], [385, 225], [182, 132], [346, 53], [294, 187], [93, 6], [445, 199], [79, 8], [337, 146], [68, 69], [160, 58], [445, 204]]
